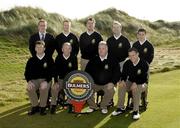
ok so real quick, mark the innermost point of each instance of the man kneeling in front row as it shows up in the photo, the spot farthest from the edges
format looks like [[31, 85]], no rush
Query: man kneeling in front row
[[105, 71], [134, 78], [38, 74]]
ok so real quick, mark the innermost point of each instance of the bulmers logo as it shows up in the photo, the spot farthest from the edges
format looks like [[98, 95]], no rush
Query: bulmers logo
[[78, 85]]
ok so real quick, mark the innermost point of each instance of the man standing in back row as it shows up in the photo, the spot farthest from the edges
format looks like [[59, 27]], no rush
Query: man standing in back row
[[118, 44], [43, 36], [67, 36], [144, 47], [89, 41]]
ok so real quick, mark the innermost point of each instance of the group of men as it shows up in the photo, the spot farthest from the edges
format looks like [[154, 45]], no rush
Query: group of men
[[112, 64]]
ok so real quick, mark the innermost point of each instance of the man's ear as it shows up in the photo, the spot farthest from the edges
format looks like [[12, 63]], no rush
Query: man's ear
[[138, 53], [35, 49]]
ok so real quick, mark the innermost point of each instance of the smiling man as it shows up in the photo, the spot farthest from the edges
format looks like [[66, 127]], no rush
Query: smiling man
[[64, 64], [89, 41], [134, 78], [67, 36], [38, 74], [105, 72], [44, 36]]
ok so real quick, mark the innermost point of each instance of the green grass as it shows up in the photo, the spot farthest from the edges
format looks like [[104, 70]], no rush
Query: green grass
[[163, 111], [12, 62]]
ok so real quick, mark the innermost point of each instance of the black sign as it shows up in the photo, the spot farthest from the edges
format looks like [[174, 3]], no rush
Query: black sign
[[78, 85]]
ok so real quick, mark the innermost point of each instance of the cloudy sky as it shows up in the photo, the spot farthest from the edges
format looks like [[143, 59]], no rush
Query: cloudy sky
[[143, 9]]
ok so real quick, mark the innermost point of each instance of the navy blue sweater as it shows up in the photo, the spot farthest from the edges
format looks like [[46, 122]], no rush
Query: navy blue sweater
[[39, 69], [103, 72], [137, 74], [118, 48], [89, 45], [146, 50], [63, 66], [71, 38]]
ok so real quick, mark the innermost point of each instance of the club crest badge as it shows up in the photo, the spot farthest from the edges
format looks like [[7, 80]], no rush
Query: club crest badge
[[120, 45], [106, 66], [139, 71], [69, 64], [45, 65], [145, 50], [93, 41], [71, 41]]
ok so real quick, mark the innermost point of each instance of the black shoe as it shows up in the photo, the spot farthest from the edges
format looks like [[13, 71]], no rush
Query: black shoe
[[130, 106], [43, 111], [143, 106], [53, 109], [111, 103], [70, 108], [33, 110], [48, 106]]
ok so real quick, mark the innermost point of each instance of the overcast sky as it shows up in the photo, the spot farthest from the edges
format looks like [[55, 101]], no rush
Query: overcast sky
[[143, 9]]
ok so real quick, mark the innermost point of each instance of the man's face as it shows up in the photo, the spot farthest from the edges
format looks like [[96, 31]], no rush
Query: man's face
[[42, 27], [141, 36], [66, 26], [66, 49], [116, 29], [39, 48], [133, 56], [90, 25], [102, 50]]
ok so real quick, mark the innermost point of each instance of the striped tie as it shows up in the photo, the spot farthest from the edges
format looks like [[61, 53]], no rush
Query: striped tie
[[42, 36]]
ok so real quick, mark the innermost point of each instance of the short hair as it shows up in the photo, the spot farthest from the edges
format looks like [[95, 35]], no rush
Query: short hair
[[103, 43], [117, 22], [133, 49], [68, 21], [91, 19], [141, 30], [42, 20], [40, 42], [67, 43]]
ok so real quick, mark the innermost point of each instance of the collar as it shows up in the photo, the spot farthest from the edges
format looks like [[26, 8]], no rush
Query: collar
[[40, 57], [117, 37], [66, 34], [40, 34], [66, 57], [142, 42], [102, 59], [89, 33], [134, 64]]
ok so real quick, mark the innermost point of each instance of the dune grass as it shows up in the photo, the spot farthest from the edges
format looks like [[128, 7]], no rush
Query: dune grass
[[21, 22]]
